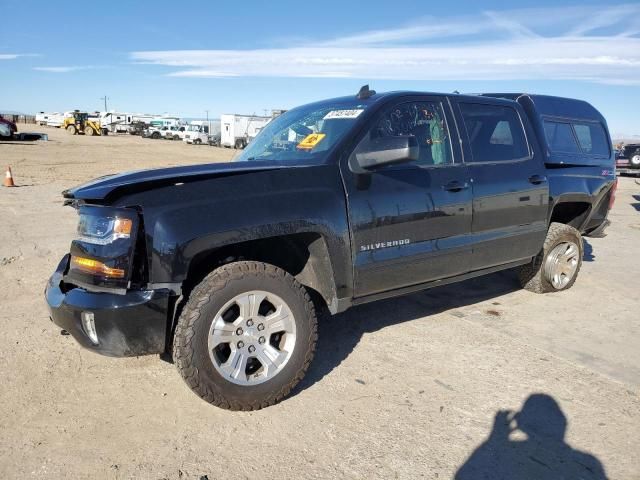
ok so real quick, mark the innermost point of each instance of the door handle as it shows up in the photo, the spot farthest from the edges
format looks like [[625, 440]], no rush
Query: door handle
[[537, 179], [455, 186]]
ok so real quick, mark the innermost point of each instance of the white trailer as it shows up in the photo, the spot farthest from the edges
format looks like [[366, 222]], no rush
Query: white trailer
[[238, 130], [55, 119], [41, 118], [120, 122]]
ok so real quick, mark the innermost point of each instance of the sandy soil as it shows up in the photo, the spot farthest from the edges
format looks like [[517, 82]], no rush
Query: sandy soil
[[405, 388]]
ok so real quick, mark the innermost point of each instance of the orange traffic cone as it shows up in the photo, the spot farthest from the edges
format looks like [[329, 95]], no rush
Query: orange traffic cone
[[8, 178]]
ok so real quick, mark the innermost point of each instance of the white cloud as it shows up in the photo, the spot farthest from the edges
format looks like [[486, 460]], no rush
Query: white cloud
[[13, 56], [510, 45], [67, 69]]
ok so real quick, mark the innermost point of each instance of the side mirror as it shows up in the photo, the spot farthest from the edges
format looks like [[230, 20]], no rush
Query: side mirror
[[386, 151]]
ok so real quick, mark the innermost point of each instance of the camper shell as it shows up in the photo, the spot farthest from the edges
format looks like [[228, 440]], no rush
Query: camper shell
[[559, 124]]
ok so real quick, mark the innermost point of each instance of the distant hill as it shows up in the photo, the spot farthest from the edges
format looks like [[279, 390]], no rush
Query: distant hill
[[13, 112], [626, 139]]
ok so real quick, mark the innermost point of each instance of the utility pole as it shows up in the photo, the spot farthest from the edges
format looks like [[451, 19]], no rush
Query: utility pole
[[207, 111], [105, 102]]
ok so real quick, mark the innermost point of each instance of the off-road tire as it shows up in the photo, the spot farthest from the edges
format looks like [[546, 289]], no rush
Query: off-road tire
[[190, 347], [88, 131], [532, 276], [71, 129]]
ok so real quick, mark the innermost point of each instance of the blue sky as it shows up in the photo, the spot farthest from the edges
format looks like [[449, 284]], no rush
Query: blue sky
[[188, 57]]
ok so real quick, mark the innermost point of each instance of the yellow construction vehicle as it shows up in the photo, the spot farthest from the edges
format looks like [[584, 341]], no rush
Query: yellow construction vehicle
[[80, 123]]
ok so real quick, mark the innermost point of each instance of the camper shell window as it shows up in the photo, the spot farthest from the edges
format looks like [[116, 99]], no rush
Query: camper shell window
[[576, 136]]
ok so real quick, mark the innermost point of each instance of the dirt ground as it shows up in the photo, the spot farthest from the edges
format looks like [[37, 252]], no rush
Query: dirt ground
[[414, 387]]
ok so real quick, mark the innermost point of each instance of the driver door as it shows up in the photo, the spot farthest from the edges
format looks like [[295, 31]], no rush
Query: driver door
[[410, 222]]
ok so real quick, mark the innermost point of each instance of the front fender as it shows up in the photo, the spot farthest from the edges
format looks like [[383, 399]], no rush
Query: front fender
[[184, 220]]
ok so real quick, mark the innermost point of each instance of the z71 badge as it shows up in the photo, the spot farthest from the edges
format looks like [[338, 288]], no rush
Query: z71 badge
[[378, 245]]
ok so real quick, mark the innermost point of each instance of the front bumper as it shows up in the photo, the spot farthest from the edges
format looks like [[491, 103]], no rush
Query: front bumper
[[126, 325]]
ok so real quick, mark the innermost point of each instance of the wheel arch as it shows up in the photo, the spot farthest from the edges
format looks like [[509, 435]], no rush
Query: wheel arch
[[573, 211], [303, 255]]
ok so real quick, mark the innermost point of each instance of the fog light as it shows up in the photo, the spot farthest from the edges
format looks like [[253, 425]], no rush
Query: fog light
[[89, 326]]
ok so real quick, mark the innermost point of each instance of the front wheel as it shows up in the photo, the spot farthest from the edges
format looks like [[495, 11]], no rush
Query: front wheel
[[556, 267], [246, 336], [72, 130]]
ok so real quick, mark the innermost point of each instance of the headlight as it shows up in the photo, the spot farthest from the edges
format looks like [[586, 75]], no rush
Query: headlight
[[103, 230], [102, 254]]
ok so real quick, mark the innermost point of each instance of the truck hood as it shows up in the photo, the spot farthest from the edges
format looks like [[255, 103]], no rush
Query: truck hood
[[110, 186]]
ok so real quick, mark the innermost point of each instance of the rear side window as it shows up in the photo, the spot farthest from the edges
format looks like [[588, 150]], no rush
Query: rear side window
[[495, 132], [592, 138], [576, 137], [560, 137]]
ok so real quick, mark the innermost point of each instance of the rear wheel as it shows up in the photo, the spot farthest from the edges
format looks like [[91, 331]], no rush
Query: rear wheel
[[556, 267], [635, 160], [246, 336], [197, 141], [71, 129], [176, 137]]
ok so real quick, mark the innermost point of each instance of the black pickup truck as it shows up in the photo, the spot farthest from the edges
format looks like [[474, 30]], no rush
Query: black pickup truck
[[336, 203]]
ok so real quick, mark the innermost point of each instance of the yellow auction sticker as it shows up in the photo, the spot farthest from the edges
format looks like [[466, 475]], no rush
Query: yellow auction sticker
[[310, 141]]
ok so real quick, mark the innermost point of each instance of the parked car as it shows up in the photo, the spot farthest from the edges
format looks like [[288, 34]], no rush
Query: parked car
[[7, 128], [197, 134], [334, 204], [174, 132], [628, 159], [138, 127], [154, 132]]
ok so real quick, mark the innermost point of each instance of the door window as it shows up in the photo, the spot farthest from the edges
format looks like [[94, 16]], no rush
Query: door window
[[495, 132], [425, 121]]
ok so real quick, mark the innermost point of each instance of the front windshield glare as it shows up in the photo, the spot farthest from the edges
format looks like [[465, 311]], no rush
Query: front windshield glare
[[302, 134]]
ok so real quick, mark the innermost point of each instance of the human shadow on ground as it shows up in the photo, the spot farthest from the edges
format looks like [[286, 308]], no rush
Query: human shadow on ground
[[588, 255], [338, 335], [540, 451]]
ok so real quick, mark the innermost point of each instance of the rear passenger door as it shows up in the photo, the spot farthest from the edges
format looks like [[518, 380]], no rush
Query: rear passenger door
[[509, 185]]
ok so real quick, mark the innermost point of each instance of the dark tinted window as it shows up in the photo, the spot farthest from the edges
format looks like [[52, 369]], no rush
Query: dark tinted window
[[592, 138], [560, 137], [495, 132], [576, 137]]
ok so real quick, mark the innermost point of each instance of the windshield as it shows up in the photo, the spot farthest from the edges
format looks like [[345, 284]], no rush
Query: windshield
[[304, 134]]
